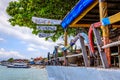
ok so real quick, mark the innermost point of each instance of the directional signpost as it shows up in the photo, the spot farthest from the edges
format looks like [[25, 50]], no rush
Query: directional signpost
[[50, 28], [45, 34], [45, 21]]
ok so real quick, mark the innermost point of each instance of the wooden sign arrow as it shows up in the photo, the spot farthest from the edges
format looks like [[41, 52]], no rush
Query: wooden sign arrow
[[46, 21], [50, 28], [45, 34]]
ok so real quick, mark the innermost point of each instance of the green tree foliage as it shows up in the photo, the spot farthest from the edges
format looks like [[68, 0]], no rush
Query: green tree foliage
[[60, 54], [10, 60], [22, 11]]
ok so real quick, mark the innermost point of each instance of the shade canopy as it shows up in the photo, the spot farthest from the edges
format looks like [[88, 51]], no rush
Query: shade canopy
[[86, 12], [77, 9]]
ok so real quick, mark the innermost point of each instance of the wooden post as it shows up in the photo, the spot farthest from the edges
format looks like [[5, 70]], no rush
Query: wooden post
[[48, 58], [114, 18], [119, 53], [105, 30], [101, 52], [84, 52], [65, 44], [65, 37]]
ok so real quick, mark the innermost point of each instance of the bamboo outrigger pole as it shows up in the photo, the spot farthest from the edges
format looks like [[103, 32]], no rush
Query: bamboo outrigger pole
[[105, 30], [111, 19], [111, 44]]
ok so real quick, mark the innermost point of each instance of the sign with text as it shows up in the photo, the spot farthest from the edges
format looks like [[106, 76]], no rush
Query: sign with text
[[46, 21], [45, 34], [50, 28]]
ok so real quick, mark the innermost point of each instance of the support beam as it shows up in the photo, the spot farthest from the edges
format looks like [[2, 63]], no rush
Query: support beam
[[105, 30], [112, 19], [115, 18], [79, 25], [88, 25]]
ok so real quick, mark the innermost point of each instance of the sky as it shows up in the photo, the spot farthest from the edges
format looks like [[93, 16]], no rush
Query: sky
[[19, 42]]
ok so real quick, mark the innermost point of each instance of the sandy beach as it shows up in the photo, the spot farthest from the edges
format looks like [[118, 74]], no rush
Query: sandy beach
[[37, 66]]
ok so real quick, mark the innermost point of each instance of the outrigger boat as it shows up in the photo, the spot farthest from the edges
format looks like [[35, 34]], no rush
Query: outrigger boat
[[18, 65]]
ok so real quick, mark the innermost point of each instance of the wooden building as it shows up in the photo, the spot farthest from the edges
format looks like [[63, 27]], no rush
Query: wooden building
[[89, 12]]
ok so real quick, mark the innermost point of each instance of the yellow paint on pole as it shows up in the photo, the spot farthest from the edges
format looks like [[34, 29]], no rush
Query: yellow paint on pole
[[105, 30], [80, 25], [103, 14], [114, 18], [65, 37], [88, 25]]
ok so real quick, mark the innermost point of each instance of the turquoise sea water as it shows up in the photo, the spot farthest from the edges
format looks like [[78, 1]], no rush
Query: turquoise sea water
[[22, 74]]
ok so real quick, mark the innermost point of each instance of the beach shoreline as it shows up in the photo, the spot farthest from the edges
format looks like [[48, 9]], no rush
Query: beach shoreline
[[38, 66]]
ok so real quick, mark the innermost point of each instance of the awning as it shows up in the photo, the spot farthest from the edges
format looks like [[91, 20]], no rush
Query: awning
[[78, 9], [86, 12]]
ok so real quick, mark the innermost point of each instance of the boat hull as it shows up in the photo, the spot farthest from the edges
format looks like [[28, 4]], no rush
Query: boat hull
[[18, 67], [81, 73]]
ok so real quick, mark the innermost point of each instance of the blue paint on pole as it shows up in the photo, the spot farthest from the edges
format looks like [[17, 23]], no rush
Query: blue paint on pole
[[105, 21], [75, 12]]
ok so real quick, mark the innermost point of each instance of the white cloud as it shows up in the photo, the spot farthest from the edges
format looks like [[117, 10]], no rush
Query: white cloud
[[10, 54], [23, 42], [31, 49], [1, 39], [46, 48], [23, 33], [39, 47]]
